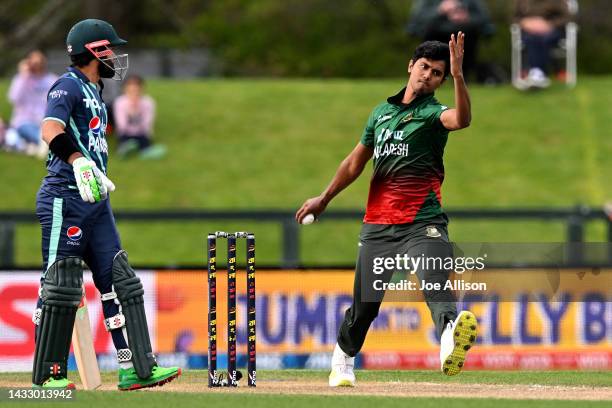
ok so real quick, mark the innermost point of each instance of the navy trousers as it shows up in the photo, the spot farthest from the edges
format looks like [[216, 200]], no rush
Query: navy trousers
[[73, 227]]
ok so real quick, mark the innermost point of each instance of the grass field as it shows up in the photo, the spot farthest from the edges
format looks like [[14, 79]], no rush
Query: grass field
[[245, 144], [303, 388]]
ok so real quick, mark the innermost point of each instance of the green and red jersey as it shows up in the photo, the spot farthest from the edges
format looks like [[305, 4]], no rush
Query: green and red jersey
[[408, 142]]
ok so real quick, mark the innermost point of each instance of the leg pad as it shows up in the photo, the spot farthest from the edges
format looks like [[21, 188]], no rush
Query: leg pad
[[130, 294], [61, 295]]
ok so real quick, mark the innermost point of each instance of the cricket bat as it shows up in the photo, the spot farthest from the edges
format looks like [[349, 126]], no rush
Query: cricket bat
[[83, 345]]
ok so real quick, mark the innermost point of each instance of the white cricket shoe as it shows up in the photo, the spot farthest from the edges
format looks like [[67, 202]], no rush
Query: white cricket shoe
[[456, 340], [341, 369]]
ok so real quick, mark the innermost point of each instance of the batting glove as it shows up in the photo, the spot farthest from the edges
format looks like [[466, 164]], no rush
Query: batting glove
[[92, 183]]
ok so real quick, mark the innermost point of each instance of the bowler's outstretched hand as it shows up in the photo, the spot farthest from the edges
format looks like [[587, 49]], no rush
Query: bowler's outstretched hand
[[456, 54]]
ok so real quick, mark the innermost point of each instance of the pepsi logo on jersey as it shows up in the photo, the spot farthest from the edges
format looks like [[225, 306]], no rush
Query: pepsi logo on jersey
[[74, 233], [95, 125], [97, 141]]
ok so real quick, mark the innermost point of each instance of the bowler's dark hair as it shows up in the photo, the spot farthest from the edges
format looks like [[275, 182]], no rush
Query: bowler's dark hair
[[435, 51]]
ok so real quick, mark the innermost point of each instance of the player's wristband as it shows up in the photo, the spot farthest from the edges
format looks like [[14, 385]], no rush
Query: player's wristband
[[63, 146]]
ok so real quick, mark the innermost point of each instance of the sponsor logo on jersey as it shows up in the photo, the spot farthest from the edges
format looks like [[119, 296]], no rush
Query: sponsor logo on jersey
[[97, 144], [74, 233], [58, 93], [382, 118], [91, 102], [95, 124], [391, 149], [387, 134]]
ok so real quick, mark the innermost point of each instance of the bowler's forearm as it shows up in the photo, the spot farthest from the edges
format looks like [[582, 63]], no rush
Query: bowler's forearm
[[347, 173], [462, 102]]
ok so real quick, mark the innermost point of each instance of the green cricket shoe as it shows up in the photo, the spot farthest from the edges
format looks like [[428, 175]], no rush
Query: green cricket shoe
[[129, 380], [56, 383]]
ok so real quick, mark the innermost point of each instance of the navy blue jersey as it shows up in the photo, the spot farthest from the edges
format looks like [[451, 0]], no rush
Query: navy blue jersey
[[77, 104]]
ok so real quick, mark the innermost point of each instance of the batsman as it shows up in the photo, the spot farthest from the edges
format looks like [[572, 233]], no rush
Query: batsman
[[406, 136], [77, 222]]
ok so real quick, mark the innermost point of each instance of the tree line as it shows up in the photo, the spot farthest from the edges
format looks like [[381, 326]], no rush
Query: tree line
[[297, 38]]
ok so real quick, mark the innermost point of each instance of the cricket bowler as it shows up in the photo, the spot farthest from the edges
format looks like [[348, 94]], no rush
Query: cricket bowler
[[406, 135], [77, 222]]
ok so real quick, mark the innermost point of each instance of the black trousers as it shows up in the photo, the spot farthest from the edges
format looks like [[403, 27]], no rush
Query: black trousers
[[421, 239]]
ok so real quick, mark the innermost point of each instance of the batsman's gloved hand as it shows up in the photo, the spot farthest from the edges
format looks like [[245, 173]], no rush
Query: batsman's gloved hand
[[92, 183]]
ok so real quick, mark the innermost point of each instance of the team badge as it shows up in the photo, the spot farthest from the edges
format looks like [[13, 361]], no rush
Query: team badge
[[95, 124], [74, 233], [432, 232], [407, 118]]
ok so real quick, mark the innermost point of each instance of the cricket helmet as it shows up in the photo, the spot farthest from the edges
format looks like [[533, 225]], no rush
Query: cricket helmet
[[98, 37]]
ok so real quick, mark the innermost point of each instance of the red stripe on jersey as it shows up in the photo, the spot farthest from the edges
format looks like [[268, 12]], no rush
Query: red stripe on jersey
[[398, 200]]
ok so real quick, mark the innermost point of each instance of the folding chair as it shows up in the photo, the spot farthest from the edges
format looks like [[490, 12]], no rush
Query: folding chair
[[566, 47]]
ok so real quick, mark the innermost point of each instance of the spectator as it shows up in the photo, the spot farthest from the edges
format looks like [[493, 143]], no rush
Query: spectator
[[436, 20], [2, 132], [542, 25], [134, 116], [28, 94]]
